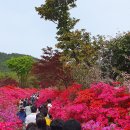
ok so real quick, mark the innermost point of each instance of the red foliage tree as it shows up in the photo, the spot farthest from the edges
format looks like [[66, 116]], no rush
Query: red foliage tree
[[50, 70]]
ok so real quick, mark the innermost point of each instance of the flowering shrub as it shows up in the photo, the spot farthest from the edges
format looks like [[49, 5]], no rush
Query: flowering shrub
[[101, 107], [9, 98], [106, 106]]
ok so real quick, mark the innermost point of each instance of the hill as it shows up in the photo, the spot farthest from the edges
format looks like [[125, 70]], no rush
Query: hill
[[4, 57]]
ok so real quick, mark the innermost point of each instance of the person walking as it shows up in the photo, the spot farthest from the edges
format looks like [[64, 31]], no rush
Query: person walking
[[31, 118], [21, 114]]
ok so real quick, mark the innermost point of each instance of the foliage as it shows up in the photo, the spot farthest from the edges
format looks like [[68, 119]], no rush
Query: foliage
[[50, 70], [86, 75], [8, 81], [22, 66], [80, 52], [126, 80], [11, 78], [77, 47], [120, 48], [116, 55], [8, 78], [57, 11], [32, 81], [10, 74]]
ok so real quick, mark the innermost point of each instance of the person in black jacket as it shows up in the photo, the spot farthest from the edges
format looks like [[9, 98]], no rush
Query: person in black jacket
[[57, 124], [72, 125], [32, 126]]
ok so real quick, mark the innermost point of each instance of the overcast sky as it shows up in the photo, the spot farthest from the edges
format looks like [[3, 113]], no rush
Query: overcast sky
[[22, 30]]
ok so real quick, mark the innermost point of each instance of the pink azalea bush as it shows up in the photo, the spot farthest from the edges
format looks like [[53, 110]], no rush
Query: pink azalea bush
[[101, 107], [103, 104], [9, 98]]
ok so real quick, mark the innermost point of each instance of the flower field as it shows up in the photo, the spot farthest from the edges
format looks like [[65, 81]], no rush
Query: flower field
[[101, 107]]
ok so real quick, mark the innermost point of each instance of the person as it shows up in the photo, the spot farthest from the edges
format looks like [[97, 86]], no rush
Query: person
[[43, 108], [37, 95], [25, 102], [57, 124], [41, 123], [49, 105], [28, 109], [32, 98], [40, 116], [48, 120], [50, 116], [72, 125], [31, 117], [31, 126], [21, 103], [21, 114]]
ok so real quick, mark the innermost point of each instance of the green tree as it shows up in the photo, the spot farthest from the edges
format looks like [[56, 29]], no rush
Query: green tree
[[120, 49], [116, 56], [22, 66], [75, 45], [4, 57]]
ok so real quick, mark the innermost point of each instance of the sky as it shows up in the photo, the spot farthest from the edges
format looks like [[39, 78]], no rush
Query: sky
[[23, 31]]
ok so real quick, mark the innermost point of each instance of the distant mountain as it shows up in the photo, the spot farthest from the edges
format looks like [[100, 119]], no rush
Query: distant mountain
[[4, 57]]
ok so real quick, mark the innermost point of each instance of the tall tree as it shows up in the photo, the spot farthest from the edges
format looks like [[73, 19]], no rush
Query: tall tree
[[50, 70], [22, 66], [74, 44]]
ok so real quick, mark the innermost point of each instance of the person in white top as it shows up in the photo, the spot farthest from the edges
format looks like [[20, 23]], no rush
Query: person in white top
[[31, 118], [27, 109]]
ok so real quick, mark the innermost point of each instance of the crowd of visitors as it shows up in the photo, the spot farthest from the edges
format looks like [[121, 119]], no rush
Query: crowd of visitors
[[34, 118]]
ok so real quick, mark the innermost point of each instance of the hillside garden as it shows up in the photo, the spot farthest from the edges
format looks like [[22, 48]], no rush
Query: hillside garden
[[87, 77]]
